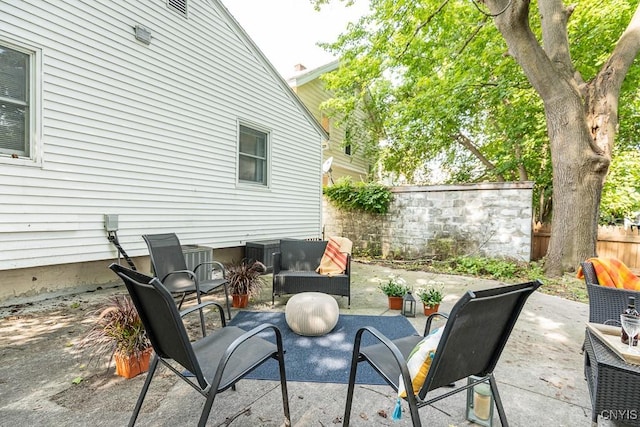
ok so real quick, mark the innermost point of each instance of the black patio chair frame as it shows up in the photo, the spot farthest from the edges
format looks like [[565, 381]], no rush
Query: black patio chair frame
[[169, 265], [216, 361], [479, 325]]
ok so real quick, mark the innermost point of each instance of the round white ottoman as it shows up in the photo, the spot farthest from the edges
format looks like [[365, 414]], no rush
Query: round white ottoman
[[311, 313]]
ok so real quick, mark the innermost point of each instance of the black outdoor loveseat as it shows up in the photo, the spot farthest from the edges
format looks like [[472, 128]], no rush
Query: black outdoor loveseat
[[294, 270]]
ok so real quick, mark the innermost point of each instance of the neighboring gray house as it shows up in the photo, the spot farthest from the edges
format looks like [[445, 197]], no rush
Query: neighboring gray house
[[162, 112]]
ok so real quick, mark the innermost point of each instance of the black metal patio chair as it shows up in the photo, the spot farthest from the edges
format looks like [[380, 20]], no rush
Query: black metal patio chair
[[472, 341], [215, 362], [170, 266]]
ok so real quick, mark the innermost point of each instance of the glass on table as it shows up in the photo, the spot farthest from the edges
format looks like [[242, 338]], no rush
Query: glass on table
[[631, 325]]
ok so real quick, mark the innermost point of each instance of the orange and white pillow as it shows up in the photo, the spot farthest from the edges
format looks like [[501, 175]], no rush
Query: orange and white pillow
[[334, 259], [419, 361]]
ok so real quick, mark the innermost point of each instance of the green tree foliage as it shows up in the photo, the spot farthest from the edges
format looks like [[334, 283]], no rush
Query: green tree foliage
[[437, 84], [621, 192]]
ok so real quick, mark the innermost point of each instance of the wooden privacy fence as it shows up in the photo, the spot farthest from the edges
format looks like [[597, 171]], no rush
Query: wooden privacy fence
[[613, 242]]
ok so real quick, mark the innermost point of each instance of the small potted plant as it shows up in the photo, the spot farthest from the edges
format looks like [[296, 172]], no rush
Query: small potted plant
[[245, 281], [119, 333], [431, 298], [394, 288]]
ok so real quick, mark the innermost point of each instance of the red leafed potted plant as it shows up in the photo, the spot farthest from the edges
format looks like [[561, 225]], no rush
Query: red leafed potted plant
[[245, 281], [118, 332]]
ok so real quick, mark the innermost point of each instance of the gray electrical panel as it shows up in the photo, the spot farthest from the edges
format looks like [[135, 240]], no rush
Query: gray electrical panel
[[111, 222]]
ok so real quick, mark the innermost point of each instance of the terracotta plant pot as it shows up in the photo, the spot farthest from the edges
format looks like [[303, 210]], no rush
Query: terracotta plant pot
[[240, 301], [430, 309], [395, 303], [129, 367]]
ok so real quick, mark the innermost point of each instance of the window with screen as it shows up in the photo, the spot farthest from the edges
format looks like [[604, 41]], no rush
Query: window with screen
[[15, 104], [253, 155]]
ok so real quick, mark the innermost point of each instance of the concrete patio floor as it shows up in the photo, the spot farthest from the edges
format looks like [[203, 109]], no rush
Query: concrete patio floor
[[540, 374]]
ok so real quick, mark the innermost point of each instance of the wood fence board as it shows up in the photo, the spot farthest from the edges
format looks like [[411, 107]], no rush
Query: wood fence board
[[613, 242]]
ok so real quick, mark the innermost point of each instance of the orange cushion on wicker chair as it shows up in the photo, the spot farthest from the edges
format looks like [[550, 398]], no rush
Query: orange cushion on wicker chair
[[613, 273]]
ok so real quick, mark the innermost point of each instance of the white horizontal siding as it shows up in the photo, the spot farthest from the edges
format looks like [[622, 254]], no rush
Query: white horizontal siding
[[149, 133]]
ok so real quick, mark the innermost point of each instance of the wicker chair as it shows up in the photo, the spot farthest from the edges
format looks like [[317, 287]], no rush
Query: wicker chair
[[613, 384], [294, 270], [605, 303]]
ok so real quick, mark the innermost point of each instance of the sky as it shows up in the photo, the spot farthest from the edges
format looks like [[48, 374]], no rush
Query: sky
[[287, 31]]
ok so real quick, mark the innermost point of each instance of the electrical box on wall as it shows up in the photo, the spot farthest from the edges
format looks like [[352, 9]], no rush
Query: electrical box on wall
[[111, 222]]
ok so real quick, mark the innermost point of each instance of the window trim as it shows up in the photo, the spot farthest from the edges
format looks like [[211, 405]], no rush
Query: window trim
[[34, 157], [268, 162]]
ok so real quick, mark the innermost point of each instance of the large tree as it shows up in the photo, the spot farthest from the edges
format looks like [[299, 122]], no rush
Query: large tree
[[578, 104]]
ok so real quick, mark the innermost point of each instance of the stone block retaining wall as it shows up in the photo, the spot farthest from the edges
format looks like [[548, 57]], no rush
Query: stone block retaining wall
[[486, 219]]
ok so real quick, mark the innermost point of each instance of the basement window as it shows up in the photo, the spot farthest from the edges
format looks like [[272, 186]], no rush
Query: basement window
[[179, 6]]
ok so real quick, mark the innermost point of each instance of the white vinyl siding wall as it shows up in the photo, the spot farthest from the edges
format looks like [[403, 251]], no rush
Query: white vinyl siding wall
[[149, 132]]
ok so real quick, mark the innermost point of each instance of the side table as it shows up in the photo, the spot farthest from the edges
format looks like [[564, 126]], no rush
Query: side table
[[614, 385]]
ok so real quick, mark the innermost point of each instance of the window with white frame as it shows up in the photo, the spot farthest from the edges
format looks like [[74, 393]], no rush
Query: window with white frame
[[15, 102], [253, 148]]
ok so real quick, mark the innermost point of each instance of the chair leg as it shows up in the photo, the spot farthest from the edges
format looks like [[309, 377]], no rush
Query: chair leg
[[202, 324], [226, 298], [152, 370], [496, 398], [352, 381], [184, 295], [283, 388], [204, 416]]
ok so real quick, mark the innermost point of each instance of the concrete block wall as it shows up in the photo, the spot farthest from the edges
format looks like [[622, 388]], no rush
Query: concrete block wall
[[486, 219]]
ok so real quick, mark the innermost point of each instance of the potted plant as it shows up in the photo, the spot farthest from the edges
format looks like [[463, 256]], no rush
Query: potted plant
[[245, 281], [431, 298], [119, 333], [394, 288]]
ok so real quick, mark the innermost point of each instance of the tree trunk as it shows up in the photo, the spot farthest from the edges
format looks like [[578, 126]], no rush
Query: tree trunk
[[578, 177], [582, 119]]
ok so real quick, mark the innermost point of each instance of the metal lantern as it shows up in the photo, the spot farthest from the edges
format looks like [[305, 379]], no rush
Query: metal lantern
[[408, 305], [479, 403]]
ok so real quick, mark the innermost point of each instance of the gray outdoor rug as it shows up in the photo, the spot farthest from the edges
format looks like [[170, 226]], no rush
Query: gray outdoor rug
[[324, 359]]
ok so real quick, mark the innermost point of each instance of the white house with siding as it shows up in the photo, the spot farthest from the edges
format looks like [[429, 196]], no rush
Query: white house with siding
[[162, 112]]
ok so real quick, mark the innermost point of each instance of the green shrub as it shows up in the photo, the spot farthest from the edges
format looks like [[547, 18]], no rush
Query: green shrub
[[365, 196]]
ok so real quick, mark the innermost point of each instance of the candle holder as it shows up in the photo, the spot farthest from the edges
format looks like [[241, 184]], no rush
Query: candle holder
[[479, 403], [408, 305]]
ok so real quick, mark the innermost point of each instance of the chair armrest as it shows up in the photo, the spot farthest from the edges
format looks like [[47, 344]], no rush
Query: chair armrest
[[239, 341], [203, 305], [427, 326], [399, 358], [218, 266], [187, 272]]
